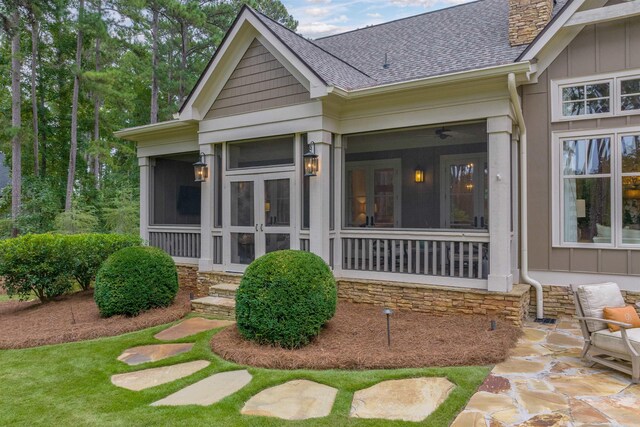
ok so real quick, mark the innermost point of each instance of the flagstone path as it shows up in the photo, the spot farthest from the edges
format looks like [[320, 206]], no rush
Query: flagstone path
[[209, 390], [293, 400], [147, 378], [544, 383], [412, 399], [152, 353], [190, 327]]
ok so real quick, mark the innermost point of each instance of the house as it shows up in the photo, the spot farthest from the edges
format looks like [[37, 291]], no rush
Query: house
[[453, 158]]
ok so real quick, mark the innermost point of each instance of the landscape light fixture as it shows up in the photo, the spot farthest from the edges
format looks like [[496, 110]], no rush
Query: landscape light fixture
[[201, 169], [388, 312], [311, 161]]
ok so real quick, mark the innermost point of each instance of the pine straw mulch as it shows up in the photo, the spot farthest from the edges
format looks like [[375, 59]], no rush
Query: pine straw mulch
[[356, 338], [75, 317]]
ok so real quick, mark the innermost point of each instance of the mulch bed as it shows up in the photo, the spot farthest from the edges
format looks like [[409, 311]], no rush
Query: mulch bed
[[74, 318], [356, 338]]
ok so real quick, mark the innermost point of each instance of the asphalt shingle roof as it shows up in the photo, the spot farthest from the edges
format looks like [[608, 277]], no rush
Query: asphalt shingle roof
[[460, 38]]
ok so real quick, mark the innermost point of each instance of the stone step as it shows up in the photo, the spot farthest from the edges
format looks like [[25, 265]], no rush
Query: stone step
[[220, 307], [225, 290]]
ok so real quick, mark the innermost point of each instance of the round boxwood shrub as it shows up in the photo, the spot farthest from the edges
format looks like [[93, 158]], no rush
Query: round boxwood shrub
[[135, 279], [284, 298]]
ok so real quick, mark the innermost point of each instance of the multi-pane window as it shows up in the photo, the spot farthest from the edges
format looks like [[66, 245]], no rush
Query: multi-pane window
[[600, 190], [586, 99], [630, 94]]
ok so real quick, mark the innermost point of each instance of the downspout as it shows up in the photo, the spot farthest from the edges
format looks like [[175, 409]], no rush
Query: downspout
[[524, 231]]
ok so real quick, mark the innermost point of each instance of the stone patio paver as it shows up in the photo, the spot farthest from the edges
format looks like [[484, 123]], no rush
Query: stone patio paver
[[147, 378], [412, 399], [209, 390], [152, 353], [555, 388], [293, 400], [190, 327]]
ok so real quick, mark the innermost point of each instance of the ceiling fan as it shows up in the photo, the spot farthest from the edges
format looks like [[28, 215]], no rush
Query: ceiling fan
[[443, 133]]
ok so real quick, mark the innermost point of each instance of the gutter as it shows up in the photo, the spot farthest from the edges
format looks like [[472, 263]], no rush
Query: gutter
[[494, 71], [132, 133], [524, 230]]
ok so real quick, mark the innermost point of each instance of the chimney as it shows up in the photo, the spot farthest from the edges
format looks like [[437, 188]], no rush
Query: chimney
[[527, 18]]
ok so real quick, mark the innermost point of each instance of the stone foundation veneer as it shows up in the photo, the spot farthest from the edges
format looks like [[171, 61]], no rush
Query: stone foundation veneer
[[558, 301], [206, 279], [438, 300], [188, 277]]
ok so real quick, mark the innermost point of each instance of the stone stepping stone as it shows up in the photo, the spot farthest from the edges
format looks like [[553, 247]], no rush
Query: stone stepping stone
[[209, 390], [294, 400], [151, 353], [190, 327], [412, 399], [148, 378]]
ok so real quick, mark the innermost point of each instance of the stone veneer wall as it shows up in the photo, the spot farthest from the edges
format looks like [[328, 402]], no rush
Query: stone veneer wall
[[558, 301], [438, 300], [188, 277]]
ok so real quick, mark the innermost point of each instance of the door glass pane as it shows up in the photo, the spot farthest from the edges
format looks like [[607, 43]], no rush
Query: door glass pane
[[383, 197], [630, 153], [277, 242], [242, 204], [243, 248], [461, 192], [357, 198], [277, 203]]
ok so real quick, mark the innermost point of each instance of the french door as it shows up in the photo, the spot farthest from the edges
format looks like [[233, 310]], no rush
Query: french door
[[464, 196], [259, 217], [373, 193]]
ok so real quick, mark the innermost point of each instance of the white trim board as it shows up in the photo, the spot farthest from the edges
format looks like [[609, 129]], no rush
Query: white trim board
[[563, 278], [605, 14]]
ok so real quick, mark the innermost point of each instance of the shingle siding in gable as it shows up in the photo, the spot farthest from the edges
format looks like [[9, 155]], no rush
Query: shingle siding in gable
[[259, 82]]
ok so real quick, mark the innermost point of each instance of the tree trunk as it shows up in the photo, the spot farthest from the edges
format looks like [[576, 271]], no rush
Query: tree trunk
[[16, 123], [96, 112], [34, 97], [154, 65], [183, 60], [73, 151]]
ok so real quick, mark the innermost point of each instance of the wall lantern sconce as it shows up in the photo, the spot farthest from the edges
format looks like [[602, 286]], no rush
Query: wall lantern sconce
[[419, 174], [311, 161], [201, 169]]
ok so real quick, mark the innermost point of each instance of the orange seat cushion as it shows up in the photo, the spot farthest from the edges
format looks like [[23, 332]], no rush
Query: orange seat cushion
[[626, 314]]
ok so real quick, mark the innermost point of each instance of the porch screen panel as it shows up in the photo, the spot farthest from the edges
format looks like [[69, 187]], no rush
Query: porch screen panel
[[176, 195], [267, 152], [418, 178]]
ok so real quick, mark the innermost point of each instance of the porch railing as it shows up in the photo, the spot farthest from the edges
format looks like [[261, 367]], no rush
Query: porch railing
[[180, 242], [462, 255]]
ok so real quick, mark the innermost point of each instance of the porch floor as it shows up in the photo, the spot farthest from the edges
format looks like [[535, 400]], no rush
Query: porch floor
[[544, 382]]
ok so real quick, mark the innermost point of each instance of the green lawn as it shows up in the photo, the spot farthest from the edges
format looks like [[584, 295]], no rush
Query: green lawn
[[69, 385]]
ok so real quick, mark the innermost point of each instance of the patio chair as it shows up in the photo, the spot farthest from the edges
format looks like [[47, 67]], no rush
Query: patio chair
[[615, 350]]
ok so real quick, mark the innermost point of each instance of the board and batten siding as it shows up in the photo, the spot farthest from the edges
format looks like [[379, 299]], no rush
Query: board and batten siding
[[259, 82], [598, 49]]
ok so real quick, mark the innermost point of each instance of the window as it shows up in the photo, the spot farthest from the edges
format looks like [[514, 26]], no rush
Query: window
[[599, 189], [586, 99], [630, 94], [586, 188], [261, 153]]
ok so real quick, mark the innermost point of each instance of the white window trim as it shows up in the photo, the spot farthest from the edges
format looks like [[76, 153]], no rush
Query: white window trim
[[616, 188], [614, 94], [619, 110], [557, 102]]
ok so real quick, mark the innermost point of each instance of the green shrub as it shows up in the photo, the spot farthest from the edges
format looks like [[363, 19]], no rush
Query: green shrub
[[284, 298], [76, 220], [87, 252], [135, 279], [34, 264]]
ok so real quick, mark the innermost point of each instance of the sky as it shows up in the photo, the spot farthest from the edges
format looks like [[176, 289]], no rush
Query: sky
[[319, 18]]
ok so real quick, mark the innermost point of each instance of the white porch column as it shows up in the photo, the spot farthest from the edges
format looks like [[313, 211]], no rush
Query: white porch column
[[499, 144], [205, 263], [320, 193], [145, 192]]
